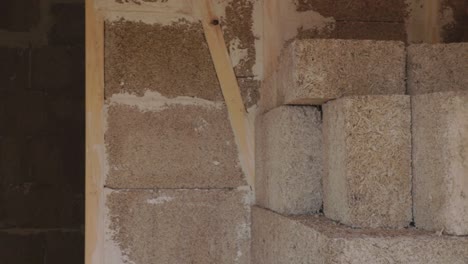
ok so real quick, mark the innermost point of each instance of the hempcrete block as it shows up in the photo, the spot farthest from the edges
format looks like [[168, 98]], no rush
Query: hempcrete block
[[177, 226], [367, 163], [289, 160], [437, 68], [313, 71], [174, 146], [440, 161], [314, 239], [174, 60]]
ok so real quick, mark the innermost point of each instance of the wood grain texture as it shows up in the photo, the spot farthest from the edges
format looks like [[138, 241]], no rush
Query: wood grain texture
[[229, 86], [94, 134]]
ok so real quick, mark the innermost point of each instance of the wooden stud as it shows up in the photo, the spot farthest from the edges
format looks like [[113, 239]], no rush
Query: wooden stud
[[229, 86], [94, 229]]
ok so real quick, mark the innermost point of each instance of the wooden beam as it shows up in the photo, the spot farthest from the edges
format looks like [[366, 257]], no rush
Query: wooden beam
[[423, 23], [229, 86], [94, 233]]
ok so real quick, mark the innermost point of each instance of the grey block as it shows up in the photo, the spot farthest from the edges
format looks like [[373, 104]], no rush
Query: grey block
[[367, 167], [313, 71], [440, 161], [289, 160], [314, 239], [437, 68]]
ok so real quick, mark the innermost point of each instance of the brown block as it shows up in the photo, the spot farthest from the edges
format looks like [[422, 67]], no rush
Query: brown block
[[314, 239], [358, 30], [237, 25], [367, 148], [58, 70], [13, 151], [19, 15], [24, 114], [314, 71], [437, 68], [68, 24], [64, 247], [14, 68], [31, 205], [289, 160], [175, 146], [178, 226], [370, 30], [22, 248], [360, 10], [173, 60], [440, 165]]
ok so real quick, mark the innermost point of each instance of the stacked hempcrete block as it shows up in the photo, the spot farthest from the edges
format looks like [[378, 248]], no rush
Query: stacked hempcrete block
[[367, 179], [313, 72], [314, 239], [175, 190], [289, 160], [437, 77], [371, 131]]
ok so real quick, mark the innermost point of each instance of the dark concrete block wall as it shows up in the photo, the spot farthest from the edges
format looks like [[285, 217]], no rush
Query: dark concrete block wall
[[41, 131]]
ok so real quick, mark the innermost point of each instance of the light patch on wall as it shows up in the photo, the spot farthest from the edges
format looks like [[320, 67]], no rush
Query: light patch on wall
[[237, 54], [200, 124], [154, 101], [159, 200]]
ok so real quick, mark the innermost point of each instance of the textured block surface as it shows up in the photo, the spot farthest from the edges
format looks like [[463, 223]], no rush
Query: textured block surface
[[178, 226], [440, 161], [173, 60], [437, 68], [289, 160], [316, 240], [314, 71], [175, 146], [367, 167]]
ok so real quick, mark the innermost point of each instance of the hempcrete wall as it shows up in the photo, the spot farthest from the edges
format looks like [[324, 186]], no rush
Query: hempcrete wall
[[167, 126], [175, 189], [41, 131]]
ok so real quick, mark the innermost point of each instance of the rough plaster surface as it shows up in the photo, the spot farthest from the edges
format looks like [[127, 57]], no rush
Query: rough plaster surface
[[152, 142], [314, 71], [440, 162], [237, 25], [289, 160], [177, 226], [437, 68], [314, 239], [367, 167]]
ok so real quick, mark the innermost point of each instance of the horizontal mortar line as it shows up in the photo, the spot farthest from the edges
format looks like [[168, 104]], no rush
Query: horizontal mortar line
[[162, 189], [370, 21]]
